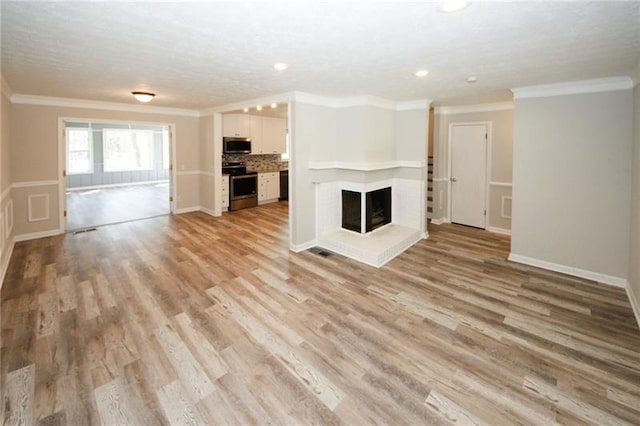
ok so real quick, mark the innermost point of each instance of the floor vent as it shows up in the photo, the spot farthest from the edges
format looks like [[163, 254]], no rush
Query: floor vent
[[82, 231], [320, 252]]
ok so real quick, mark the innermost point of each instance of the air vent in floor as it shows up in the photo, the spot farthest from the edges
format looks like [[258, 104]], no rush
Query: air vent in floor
[[320, 252], [82, 231]]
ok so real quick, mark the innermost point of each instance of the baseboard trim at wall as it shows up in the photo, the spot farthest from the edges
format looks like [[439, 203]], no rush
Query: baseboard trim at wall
[[36, 235], [187, 210], [499, 230], [570, 270], [297, 248], [6, 260], [208, 211], [635, 304], [117, 185]]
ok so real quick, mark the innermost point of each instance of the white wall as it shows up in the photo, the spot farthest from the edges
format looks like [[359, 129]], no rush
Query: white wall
[[572, 183], [634, 263]]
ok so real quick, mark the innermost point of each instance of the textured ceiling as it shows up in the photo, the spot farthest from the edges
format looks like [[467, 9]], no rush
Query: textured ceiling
[[202, 54]]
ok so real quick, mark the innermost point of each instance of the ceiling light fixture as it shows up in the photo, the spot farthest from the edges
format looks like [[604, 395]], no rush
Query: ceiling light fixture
[[421, 73], [274, 105], [246, 110], [259, 108], [451, 6], [280, 66], [143, 96], [472, 79]]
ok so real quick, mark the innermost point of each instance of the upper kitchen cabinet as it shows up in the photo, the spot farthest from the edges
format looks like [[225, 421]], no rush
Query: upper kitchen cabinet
[[256, 134], [274, 135], [238, 125]]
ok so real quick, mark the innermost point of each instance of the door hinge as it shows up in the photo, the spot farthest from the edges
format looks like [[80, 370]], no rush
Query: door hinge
[[485, 212], [486, 136], [65, 213], [170, 167], [170, 199], [64, 173]]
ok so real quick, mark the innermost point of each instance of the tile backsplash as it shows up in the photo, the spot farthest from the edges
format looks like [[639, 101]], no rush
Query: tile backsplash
[[259, 163]]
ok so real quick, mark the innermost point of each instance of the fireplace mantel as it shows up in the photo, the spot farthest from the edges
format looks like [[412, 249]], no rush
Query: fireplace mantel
[[365, 167]]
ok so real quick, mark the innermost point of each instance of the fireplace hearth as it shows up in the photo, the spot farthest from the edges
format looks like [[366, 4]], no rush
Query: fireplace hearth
[[377, 210]]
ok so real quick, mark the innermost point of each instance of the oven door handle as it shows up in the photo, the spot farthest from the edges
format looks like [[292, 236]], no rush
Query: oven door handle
[[243, 177]]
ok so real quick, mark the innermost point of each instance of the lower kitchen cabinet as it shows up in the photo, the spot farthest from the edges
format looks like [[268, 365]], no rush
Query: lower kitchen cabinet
[[225, 192], [268, 187]]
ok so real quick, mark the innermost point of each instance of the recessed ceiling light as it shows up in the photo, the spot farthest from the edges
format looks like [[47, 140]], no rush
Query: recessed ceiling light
[[450, 6], [280, 66], [246, 110], [274, 105], [421, 73], [472, 79], [143, 96], [259, 108]]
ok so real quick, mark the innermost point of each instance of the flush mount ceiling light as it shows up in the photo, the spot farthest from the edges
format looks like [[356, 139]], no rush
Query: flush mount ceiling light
[[274, 105], [143, 96], [246, 110], [259, 108], [421, 73], [472, 79], [280, 66], [451, 6]]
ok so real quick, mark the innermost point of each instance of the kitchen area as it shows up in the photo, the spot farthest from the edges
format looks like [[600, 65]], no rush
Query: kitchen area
[[254, 157]]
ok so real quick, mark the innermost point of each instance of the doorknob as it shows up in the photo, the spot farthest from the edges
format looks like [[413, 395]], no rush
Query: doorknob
[[453, 179]]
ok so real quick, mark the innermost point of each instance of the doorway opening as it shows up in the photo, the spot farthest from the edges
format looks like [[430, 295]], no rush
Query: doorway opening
[[115, 172]]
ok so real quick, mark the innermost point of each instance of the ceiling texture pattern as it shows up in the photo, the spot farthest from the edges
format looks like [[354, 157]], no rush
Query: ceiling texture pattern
[[205, 54]]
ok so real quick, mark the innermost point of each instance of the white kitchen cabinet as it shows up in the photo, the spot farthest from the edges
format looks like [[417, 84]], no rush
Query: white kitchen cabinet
[[268, 187], [274, 135], [256, 134], [225, 192], [236, 125]]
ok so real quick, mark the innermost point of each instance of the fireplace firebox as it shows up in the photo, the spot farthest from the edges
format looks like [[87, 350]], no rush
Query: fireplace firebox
[[377, 205]]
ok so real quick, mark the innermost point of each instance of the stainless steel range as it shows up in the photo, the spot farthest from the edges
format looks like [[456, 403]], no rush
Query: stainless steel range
[[243, 185]]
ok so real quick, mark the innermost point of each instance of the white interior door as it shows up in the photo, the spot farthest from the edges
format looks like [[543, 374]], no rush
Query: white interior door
[[468, 174]]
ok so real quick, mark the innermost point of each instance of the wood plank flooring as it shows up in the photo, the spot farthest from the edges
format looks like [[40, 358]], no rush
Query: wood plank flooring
[[198, 320], [103, 206]]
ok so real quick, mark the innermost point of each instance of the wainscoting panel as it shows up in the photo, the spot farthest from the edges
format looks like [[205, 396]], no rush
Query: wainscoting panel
[[38, 207]]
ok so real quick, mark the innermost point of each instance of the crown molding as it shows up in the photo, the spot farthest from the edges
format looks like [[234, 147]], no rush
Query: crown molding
[[358, 101], [574, 87], [6, 90], [281, 98], [464, 109], [109, 106]]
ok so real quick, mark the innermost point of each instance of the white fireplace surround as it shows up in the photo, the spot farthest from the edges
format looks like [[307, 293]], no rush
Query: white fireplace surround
[[383, 244]]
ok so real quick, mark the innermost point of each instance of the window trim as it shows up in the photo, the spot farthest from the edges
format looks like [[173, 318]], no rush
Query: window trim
[[89, 132], [130, 131]]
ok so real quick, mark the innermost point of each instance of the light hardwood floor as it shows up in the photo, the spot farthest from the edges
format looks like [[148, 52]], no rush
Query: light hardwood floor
[[103, 206], [193, 319]]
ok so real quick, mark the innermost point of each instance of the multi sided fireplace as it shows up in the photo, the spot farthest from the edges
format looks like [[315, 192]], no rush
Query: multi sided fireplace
[[376, 205]]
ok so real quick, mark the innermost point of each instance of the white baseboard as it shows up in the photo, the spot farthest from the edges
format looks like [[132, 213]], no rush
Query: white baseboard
[[439, 221], [5, 261], [570, 270], [36, 235], [635, 304], [297, 248], [117, 185], [208, 211], [187, 210], [499, 230]]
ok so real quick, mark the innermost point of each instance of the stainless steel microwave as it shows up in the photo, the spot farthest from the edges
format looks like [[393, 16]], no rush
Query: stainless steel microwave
[[236, 145]]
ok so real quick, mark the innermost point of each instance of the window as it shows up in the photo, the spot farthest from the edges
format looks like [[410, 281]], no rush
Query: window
[[127, 150], [285, 154], [165, 149], [79, 151]]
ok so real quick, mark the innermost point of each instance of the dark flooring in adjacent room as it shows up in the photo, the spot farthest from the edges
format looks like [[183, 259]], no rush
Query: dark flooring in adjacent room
[[101, 206]]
